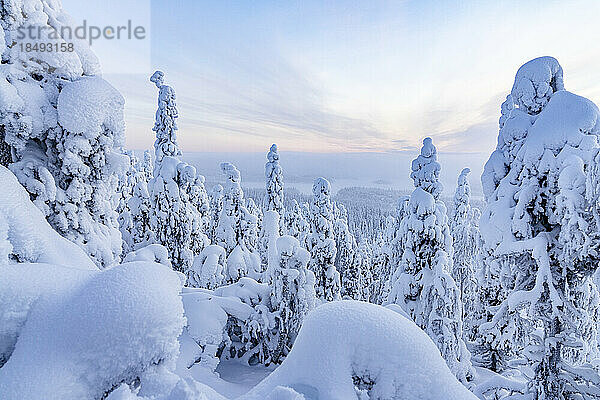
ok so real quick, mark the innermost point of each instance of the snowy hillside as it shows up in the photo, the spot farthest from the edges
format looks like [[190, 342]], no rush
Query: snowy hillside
[[127, 276]]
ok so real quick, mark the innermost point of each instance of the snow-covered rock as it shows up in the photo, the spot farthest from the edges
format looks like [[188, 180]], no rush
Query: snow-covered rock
[[387, 353]]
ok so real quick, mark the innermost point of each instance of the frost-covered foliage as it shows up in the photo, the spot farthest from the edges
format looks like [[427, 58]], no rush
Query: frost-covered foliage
[[294, 223], [321, 243], [172, 215], [60, 129], [292, 293], [138, 220], [216, 207], [387, 255], [198, 198], [345, 261], [424, 287], [250, 328], [26, 236], [165, 125], [380, 353], [237, 229], [541, 223], [465, 236], [274, 178]]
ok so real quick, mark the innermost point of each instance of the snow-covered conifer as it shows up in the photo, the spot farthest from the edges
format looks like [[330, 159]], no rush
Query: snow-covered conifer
[[274, 181], [172, 218], [63, 127], [216, 206], [237, 228], [321, 243], [208, 269], [465, 238], [345, 262], [165, 125], [425, 289], [547, 233], [294, 223], [198, 198], [292, 292]]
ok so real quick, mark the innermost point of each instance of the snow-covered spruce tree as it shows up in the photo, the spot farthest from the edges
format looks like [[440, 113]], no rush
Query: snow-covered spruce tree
[[198, 198], [292, 293], [274, 181], [216, 207], [321, 243], [165, 125], [140, 211], [345, 262], [172, 218], [61, 127], [362, 259], [466, 247], [208, 269], [122, 194], [425, 289], [294, 223], [388, 265], [236, 230], [542, 215]]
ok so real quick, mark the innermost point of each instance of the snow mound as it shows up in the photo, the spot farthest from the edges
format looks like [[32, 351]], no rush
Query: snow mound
[[31, 237], [85, 337], [379, 350], [21, 286], [153, 253], [88, 104]]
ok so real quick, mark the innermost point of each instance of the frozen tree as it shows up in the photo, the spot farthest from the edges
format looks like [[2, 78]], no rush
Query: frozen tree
[[345, 262], [292, 293], [274, 179], [165, 125], [541, 221], [172, 219], [466, 246], [294, 223], [140, 211], [424, 288], [237, 228], [216, 206], [362, 259], [388, 265], [321, 243], [61, 129], [208, 269], [199, 201]]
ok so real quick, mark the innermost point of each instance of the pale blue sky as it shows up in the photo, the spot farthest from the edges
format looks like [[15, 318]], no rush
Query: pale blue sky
[[345, 76]]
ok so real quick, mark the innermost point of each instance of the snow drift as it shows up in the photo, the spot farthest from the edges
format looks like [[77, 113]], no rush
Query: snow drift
[[348, 343], [85, 332]]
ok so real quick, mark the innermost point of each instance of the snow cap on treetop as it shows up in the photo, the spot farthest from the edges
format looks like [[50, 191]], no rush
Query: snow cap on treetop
[[426, 170], [273, 154], [158, 78], [231, 171], [535, 83], [321, 185], [463, 175]]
